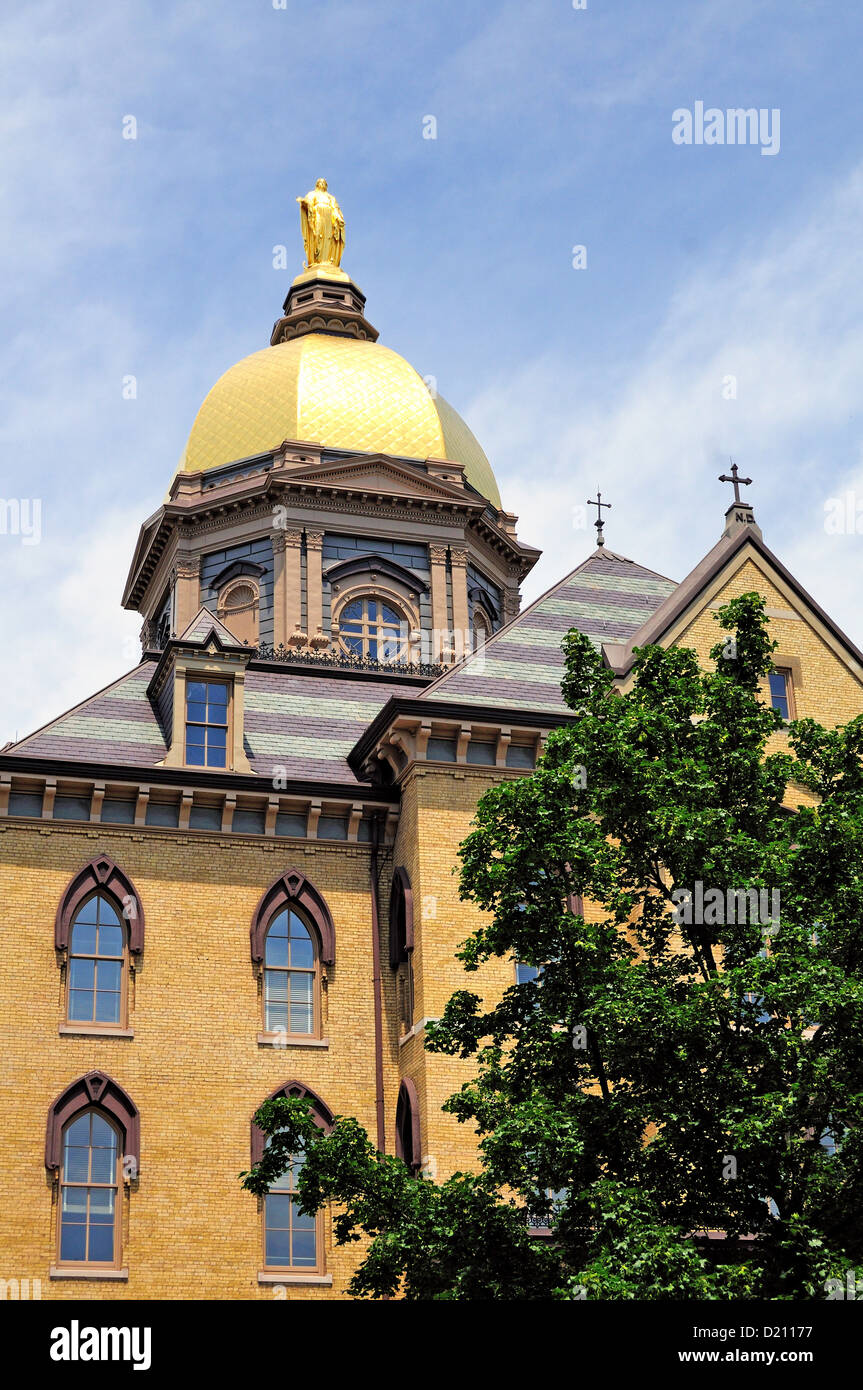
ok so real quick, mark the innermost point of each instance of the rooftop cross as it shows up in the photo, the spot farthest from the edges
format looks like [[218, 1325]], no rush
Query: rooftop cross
[[599, 504], [733, 478]]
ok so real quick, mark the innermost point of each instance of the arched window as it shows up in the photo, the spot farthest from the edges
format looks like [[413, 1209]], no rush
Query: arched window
[[408, 1125], [402, 945], [238, 606], [99, 925], [293, 1242], [482, 629], [88, 1228], [292, 938], [374, 628], [92, 1142], [97, 976], [291, 977]]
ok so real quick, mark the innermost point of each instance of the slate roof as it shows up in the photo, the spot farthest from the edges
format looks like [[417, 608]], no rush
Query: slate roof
[[306, 724], [607, 597]]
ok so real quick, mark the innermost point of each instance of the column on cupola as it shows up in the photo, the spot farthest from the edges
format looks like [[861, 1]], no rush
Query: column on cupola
[[460, 621], [287, 584], [314, 583], [440, 617], [187, 590], [511, 595]]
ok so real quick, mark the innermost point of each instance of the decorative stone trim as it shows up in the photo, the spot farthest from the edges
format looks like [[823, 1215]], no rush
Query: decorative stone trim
[[293, 889], [298, 1280], [94, 1089], [102, 875], [321, 1114], [56, 1272]]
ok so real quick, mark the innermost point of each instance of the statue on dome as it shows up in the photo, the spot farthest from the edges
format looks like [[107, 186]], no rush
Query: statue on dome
[[323, 227]]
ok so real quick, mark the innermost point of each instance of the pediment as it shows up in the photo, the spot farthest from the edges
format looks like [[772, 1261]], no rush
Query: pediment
[[378, 474]]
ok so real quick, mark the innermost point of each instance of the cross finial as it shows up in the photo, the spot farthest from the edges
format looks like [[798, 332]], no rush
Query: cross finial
[[733, 478], [599, 504]]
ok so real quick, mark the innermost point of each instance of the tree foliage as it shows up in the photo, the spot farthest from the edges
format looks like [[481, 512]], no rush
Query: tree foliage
[[661, 1077]]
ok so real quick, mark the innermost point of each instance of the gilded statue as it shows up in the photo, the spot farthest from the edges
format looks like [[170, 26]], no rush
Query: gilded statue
[[323, 227]]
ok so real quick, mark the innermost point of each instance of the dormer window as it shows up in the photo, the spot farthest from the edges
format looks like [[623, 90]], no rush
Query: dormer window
[[206, 723]]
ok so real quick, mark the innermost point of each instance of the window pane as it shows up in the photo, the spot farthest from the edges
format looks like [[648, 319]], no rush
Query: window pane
[[101, 1206], [215, 756], [102, 1133], [110, 941], [196, 712], [102, 1243], [390, 615], [107, 1008], [81, 973], [78, 1132], [80, 1006], [276, 1017], [107, 912], [302, 953], [217, 695], [277, 986], [90, 911], [354, 645], [195, 733], [73, 1241], [304, 1249], [278, 1248], [84, 937], [373, 610], [108, 975], [197, 691], [278, 1211], [75, 1169], [103, 1165], [194, 755], [354, 609], [276, 950]]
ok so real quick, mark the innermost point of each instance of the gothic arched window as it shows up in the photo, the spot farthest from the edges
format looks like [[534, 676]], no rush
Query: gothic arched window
[[402, 945], [92, 1143], [90, 1184], [98, 972], [408, 1125], [293, 1242], [291, 977]]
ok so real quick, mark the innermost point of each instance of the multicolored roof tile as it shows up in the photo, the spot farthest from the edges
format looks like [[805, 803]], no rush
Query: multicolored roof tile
[[607, 597], [305, 724]]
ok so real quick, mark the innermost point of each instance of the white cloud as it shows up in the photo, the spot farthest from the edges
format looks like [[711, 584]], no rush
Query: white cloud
[[784, 316]]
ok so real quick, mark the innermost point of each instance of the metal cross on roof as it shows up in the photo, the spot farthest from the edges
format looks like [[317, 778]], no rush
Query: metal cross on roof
[[599, 504], [733, 478]]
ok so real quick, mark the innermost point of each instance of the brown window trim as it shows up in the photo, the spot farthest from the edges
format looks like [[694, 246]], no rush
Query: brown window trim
[[401, 917], [323, 1117], [408, 1098], [88, 1268], [782, 667], [208, 678], [293, 889], [104, 875], [321, 1114], [97, 1091], [291, 1040], [92, 1026]]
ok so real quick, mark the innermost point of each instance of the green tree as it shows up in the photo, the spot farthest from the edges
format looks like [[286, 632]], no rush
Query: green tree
[[662, 1075]]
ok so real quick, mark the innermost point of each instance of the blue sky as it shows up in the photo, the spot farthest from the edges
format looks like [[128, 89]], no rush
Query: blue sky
[[153, 257]]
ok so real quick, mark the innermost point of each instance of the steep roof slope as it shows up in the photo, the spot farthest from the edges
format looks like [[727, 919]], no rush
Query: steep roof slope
[[607, 597]]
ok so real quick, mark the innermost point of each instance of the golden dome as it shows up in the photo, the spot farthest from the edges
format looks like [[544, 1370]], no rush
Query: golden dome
[[343, 393]]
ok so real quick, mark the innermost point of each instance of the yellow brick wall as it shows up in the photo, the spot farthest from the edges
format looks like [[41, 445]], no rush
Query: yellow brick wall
[[194, 1068]]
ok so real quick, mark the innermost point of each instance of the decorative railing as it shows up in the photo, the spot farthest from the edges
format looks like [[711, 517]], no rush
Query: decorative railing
[[347, 661]]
